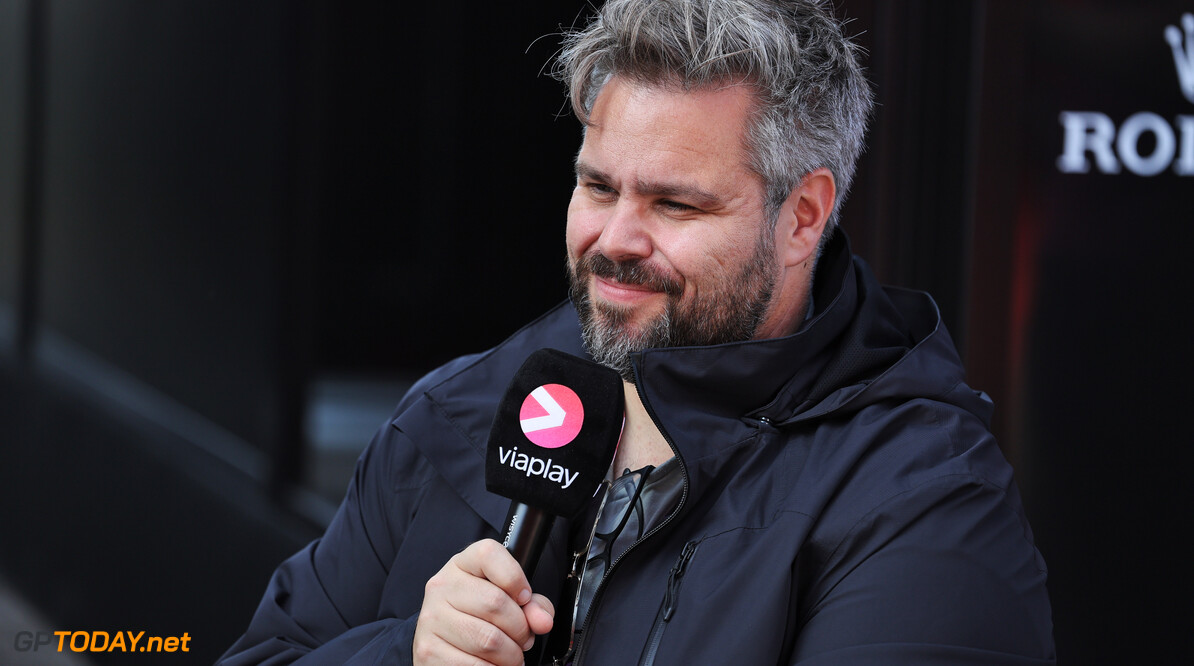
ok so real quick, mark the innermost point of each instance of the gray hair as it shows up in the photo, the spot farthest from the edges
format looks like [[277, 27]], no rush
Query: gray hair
[[812, 100]]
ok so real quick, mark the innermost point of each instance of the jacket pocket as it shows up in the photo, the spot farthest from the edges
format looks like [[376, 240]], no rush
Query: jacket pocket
[[671, 599]]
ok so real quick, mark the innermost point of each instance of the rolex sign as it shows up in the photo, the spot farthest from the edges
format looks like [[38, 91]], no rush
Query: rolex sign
[[1146, 143]]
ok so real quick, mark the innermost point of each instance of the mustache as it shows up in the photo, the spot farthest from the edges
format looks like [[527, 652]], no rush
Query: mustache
[[635, 271]]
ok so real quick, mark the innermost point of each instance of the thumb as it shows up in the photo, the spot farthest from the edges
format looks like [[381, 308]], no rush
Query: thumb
[[540, 614]]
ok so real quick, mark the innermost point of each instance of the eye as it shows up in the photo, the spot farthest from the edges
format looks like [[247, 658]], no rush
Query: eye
[[601, 191], [676, 206]]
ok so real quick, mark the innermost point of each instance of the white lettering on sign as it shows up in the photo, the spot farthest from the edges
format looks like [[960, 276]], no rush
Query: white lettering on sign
[[532, 466], [1093, 134]]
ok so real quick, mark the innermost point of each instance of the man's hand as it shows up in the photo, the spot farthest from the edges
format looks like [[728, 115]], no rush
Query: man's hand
[[479, 609]]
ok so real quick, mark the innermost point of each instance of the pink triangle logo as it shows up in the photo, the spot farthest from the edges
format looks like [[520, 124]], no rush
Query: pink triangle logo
[[551, 416]]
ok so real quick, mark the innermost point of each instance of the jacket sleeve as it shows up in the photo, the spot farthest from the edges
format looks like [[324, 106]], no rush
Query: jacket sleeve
[[321, 605], [943, 573]]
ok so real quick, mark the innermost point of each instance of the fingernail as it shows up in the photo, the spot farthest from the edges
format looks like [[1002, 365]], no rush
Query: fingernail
[[524, 597], [529, 644]]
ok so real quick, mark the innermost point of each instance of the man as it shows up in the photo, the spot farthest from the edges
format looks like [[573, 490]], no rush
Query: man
[[803, 477]]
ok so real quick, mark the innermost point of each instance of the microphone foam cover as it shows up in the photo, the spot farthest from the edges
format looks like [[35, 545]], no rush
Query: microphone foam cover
[[555, 432]]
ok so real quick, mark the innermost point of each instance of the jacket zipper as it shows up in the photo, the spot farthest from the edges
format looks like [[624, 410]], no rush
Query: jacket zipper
[[575, 655], [668, 607]]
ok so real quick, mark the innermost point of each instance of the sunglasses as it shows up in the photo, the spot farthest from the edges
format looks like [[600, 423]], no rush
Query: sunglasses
[[619, 514]]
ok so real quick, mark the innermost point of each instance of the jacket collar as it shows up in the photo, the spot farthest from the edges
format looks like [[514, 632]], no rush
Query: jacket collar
[[757, 378]]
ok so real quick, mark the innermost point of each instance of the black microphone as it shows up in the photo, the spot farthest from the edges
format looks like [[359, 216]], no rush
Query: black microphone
[[552, 440]]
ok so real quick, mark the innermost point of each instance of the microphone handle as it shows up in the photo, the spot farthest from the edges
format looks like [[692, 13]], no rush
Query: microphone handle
[[527, 529]]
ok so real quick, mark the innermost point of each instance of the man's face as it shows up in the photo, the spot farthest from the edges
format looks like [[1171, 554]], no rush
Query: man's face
[[668, 241]]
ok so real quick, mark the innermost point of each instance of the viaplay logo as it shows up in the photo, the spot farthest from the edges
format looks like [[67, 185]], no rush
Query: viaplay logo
[[1115, 149], [551, 416]]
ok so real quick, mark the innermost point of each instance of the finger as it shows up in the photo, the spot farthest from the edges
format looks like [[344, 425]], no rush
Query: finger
[[488, 559], [540, 614], [475, 637], [482, 599], [429, 649]]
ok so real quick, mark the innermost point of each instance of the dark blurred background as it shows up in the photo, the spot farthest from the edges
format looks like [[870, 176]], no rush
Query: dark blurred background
[[232, 233]]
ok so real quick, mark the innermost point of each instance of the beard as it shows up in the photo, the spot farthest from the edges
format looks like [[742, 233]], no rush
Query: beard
[[731, 309]]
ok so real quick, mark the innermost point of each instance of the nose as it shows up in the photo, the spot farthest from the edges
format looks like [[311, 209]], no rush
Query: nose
[[625, 234]]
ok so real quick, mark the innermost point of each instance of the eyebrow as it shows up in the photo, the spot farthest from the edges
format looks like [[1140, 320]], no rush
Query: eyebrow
[[702, 197]]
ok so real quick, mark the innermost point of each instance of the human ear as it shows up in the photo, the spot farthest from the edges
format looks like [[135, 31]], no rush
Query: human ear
[[803, 217]]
